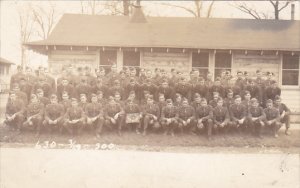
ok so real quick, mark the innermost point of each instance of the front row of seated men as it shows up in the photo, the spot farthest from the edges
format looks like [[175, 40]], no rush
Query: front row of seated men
[[73, 117]]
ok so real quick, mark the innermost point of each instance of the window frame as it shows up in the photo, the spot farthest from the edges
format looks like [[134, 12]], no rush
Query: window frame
[[201, 67], [282, 70], [220, 68]]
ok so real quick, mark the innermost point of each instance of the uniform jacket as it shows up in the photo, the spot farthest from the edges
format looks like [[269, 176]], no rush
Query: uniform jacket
[[186, 112], [54, 111], [237, 112]]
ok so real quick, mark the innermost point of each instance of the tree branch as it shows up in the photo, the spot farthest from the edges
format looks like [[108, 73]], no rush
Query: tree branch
[[182, 7]]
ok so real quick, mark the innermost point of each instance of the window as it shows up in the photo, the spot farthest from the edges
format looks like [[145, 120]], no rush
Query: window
[[131, 59], [201, 61], [222, 63], [107, 59], [290, 70], [2, 70]]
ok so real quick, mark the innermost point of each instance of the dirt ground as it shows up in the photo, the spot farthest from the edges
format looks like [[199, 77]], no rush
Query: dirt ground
[[154, 141]]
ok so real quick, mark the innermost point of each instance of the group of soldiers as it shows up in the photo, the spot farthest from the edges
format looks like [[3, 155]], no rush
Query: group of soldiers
[[143, 101]]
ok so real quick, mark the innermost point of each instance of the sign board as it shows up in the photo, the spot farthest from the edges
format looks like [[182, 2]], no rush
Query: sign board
[[252, 63], [166, 61]]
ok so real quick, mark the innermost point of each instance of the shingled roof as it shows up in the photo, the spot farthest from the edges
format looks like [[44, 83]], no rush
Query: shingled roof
[[5, 61], [174, 32]]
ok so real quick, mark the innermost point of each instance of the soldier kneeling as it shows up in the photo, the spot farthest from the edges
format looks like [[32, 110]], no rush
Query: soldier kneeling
[[74, 118], [34, 115], [54, 114], [186, 116], [133, 115], [204, 117], [14, 112], [151, 114], [256, 117], [272, 120], [220, 117], [169, 118], [94, 115]]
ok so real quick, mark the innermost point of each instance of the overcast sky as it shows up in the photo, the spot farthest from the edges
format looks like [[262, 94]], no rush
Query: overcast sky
[[10, 30]]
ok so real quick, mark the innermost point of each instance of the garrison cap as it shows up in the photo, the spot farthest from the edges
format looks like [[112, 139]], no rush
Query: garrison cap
[[39, 91], [269, 101], [277, 97], [253, 100], [237, 96], [169, 101]]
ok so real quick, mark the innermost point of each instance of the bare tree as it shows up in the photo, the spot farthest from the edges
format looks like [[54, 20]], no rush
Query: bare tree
[[197, 9], [252, 11], [91, 7], [26, 25], [45, 19]]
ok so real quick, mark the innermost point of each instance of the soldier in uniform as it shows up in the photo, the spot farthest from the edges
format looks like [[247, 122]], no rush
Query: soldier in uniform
[[132, 108], [186, 116], [238, 114], [25, 87], [246, 102], [169, 116], [42, 99], [284, 113], [229, 100], [74, 118], [209, 80], [240, 81], [44, 85], [256, 117], [272, 120], [183, 88], [253, 89], [65, 86], [204, 115], [197, 101], [17, 77], [221, 117], [166, 89], [14, 115], [217, 87], [34, 115], [132, 86], [148, 86], [54, 115], [20, 94], [101, 98], [260, 84], [117, 88], [201, 88], [66, 102], [114, 115], [214, 102], [100, 86], [151, 114], [83, 88], [112, 75], [272, 91], [94, 115]]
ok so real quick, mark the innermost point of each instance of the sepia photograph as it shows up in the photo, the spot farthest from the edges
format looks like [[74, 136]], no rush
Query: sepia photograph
[[149, 93]]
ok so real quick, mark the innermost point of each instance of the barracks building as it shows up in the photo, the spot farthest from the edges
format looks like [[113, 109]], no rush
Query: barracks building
[[209, 44]]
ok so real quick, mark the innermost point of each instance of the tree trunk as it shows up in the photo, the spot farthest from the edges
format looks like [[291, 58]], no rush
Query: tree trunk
[[126, 7]]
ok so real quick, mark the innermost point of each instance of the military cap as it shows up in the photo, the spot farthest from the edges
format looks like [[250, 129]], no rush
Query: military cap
[[93, 95], [39, 91], [169, 100], [74, 100], [269, 101], [53, 96], [277, 97], [215, 93], [253, 100], [218, 79], [82, 95], [229, 91], [237, 96], [239, 72], [246, 92], [150, 97], [197, 95]]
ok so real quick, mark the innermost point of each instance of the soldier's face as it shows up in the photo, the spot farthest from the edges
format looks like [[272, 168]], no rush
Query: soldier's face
[[258, 74], [149, 74], [117, 97], [255, 104], [216, 97], [40, 94], [34, 99], [239, 75], [150, 101], [169, 104], [220, 103], [185, 103], [238, 101], [252, 83], [132, 96], [65, 82], [269, 105], [83, 99], [278, 101], [197, 99], [247, 97], [53, 101], [133, 73], [164, 85], [65, 97], [114, 69], [100, 96], [12, 97], [16, 89], [178, 99], [196, 73], [94, 99], [74, 103], [202, 82], [204, 103], [230, 95], [102, 73]]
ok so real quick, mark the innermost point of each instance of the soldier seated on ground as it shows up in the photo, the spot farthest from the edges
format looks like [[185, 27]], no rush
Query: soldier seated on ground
[[54, 115], [14, 115], [186, 116], [114, 116], [169, 118], [74, 118], [34, 115], [94, 115], [238, 114], [284, 113], [151, 115], [133, 115], [272, 120], [41, 97], [204, 117], [256, 117], [221, 117]]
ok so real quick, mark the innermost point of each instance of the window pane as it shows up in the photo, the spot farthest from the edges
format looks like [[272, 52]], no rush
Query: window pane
[[290, 62], [223, 60], [131, 58], [203, 72], [290, 77], [200, 60], [108, 57]]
